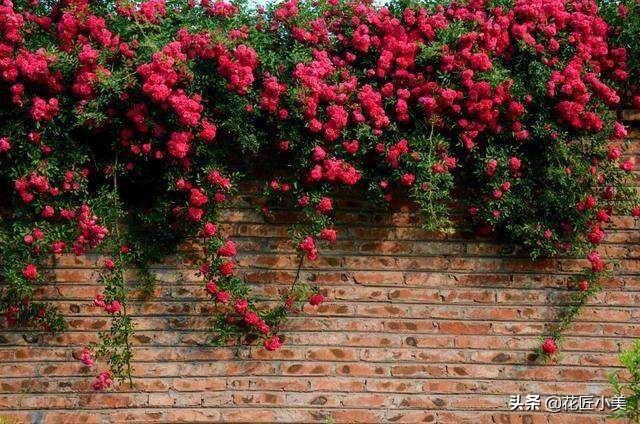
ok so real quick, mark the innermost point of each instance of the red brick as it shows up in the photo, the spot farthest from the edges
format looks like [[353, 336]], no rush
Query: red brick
[[417, 327]]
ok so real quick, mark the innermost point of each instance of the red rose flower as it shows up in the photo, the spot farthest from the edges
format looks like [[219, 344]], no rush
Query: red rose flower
[[48, 212], [86, 357], [329, 234], [109, 264], [223, 296], [308, 245], [102, 381], [303, 201], [272, 343], [195, 214], [209, 229], [197, 198], [597, 264], [227, 249], [226, 268], [549, 346], [596, 235], [316, 299], [407, 179], [30, 272], [113, 307], [241, 306], [211, 287], [58, 247], [251, 318], [5, 146], [324, 205]]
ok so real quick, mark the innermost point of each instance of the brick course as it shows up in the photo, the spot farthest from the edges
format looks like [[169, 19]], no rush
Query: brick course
[[418, 327]]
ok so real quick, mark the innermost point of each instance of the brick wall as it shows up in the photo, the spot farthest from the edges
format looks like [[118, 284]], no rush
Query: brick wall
[[418, 328]]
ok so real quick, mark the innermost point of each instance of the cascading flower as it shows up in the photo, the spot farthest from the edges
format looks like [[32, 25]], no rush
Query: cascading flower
[[350, 97]]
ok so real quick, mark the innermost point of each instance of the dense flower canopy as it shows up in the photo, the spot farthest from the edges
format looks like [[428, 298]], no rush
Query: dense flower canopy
[[126, 125]]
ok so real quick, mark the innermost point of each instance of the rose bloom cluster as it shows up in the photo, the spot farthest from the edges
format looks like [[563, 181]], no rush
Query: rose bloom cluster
[[515, 104]]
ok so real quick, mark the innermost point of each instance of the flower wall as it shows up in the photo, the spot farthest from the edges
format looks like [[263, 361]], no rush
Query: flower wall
[[127, 126]]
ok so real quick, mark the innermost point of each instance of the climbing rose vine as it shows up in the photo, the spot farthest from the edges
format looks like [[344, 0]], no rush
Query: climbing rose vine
[[126, 127]]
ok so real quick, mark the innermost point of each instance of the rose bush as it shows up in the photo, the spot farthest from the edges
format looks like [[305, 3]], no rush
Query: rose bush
[[127, 125]]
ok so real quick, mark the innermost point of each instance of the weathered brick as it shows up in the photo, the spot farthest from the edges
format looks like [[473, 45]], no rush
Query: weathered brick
[[417, 327]]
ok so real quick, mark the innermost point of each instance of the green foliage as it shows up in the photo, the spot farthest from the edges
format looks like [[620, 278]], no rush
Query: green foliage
[[629, 387], [126, 126]]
